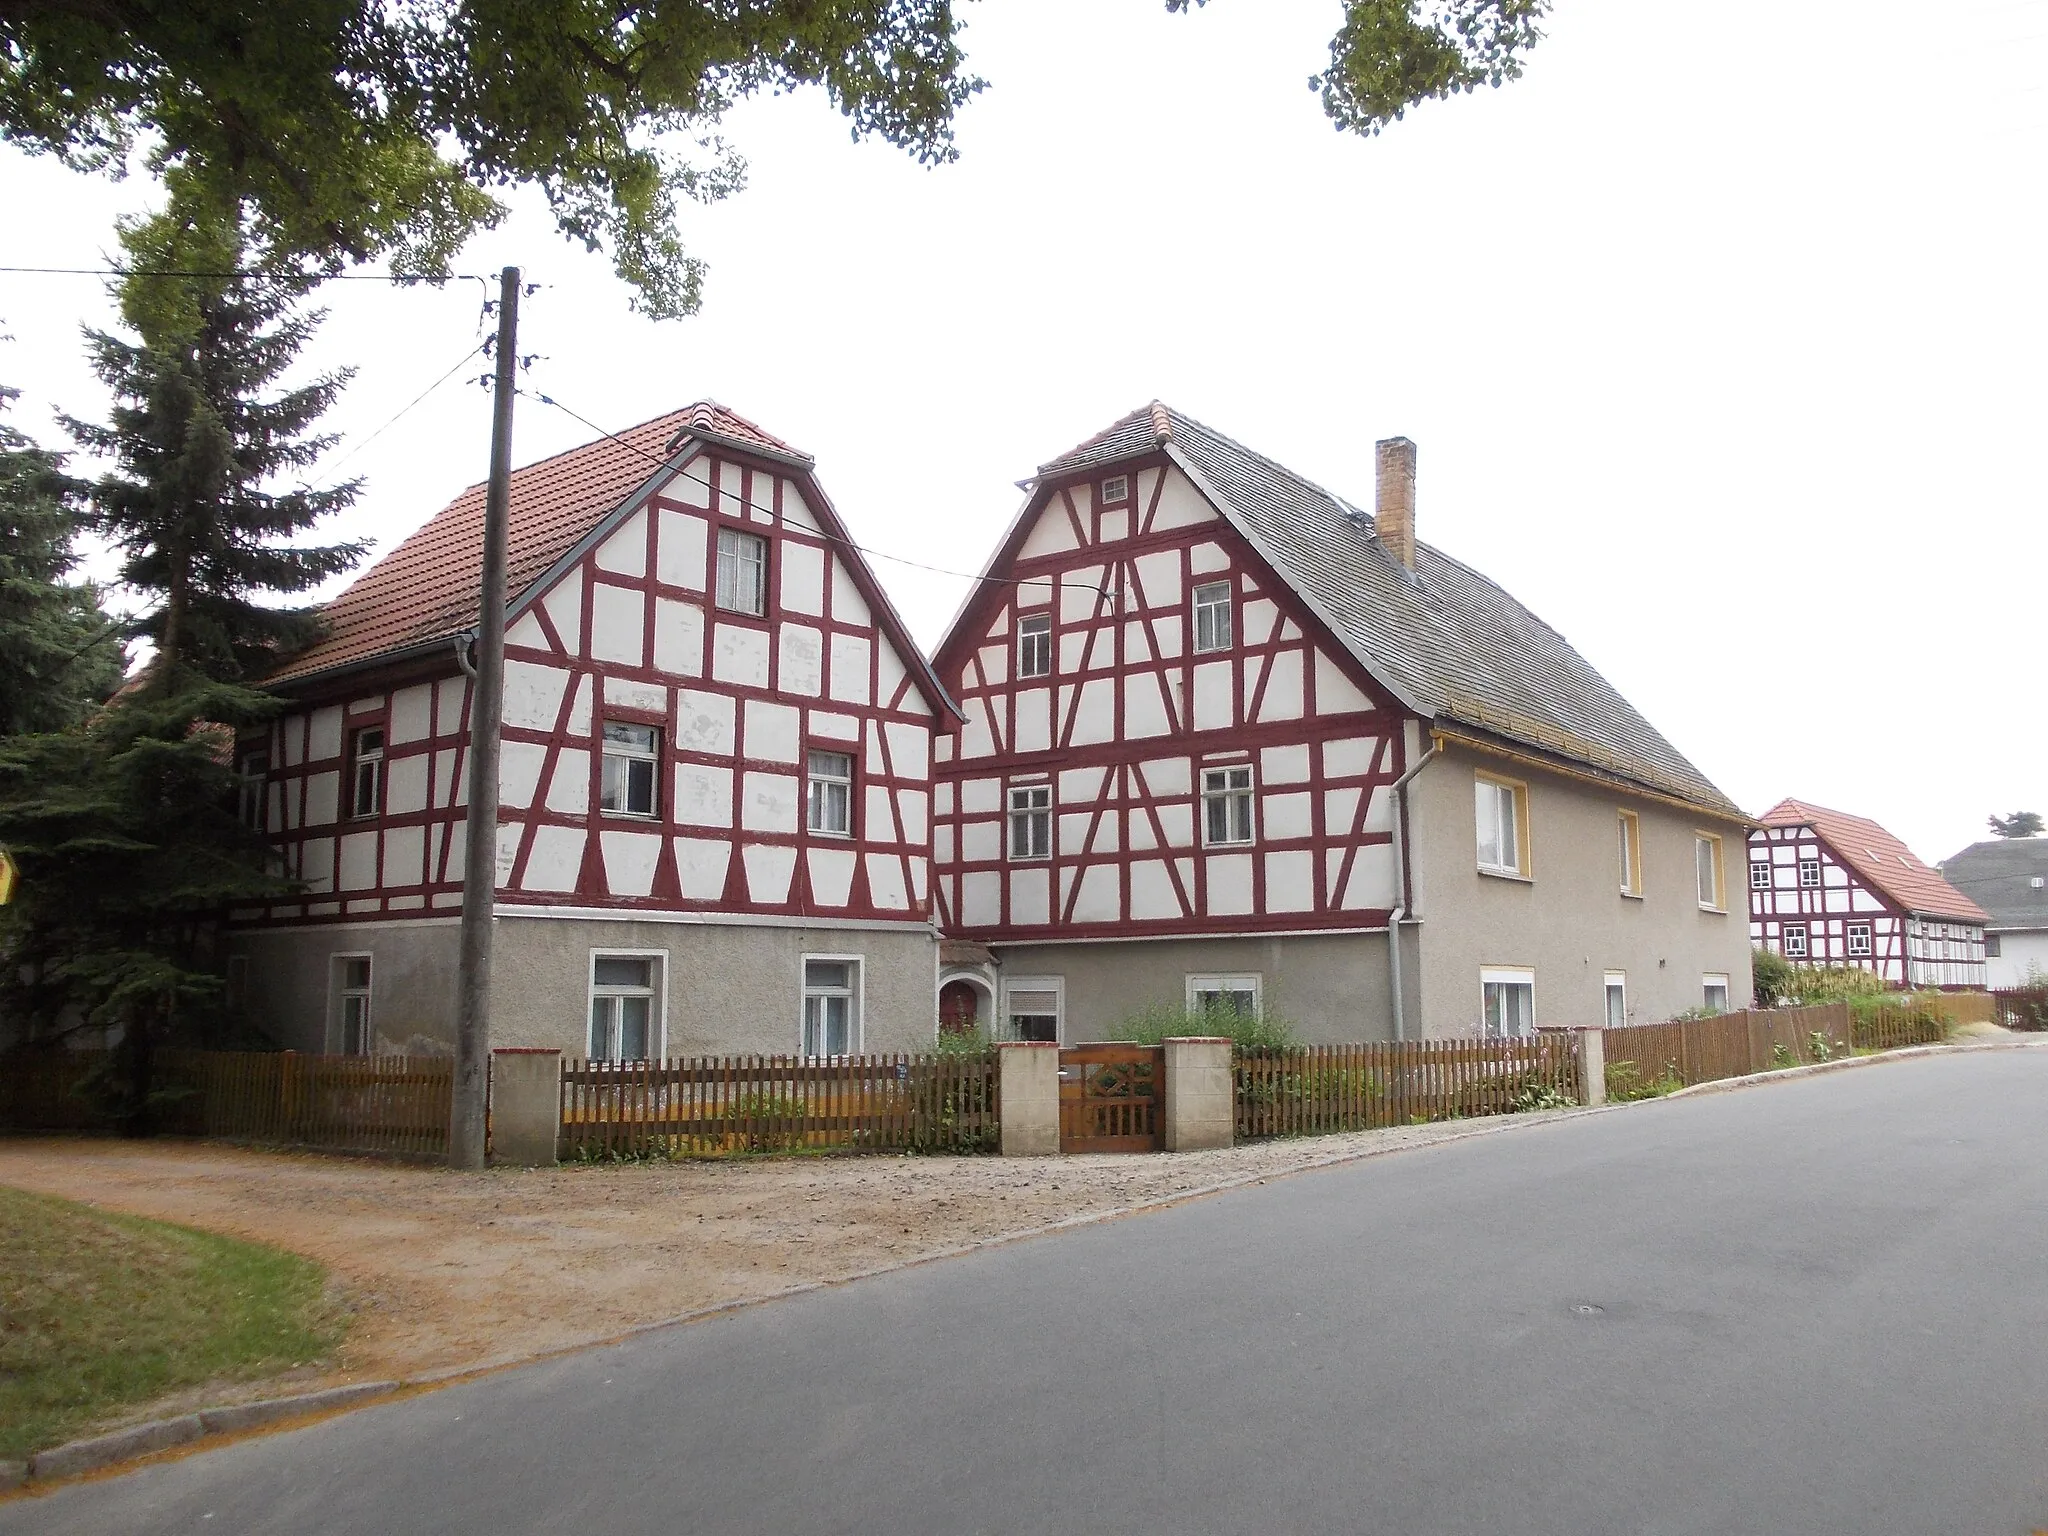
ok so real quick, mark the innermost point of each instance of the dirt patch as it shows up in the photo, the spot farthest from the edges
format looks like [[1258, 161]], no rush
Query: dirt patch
[[447, 1271]]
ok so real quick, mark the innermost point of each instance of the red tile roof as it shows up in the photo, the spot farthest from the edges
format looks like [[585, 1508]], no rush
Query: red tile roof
[[1880, 859], [426, 588]]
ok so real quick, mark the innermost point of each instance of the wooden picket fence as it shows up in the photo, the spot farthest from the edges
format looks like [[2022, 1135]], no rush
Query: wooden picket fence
[[389, 1104], [2022, 1007], [1725, 1045], [1311, 1090], [721, 1106]]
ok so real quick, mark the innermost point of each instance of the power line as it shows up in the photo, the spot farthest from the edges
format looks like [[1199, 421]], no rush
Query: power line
[[361, 443], [877, 554], [400, 279]]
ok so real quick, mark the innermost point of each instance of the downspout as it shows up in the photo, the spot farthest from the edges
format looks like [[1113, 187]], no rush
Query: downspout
[[1400, 912]]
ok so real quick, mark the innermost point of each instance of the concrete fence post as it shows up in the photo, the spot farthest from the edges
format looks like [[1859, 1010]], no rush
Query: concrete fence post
[[1592, 1048], [526, 1106], [1201, 1096], [1030, 1097]]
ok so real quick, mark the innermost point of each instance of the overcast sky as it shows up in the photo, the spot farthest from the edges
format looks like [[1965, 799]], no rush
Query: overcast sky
[[1721, 334]]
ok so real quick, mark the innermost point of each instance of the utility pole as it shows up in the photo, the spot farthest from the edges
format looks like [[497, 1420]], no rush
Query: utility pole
[[480, 846]]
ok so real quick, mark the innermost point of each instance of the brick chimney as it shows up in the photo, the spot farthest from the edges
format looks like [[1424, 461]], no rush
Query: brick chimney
[[1393, 512]]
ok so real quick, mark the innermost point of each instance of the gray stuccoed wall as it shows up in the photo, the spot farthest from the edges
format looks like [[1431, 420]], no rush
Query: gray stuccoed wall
[[1330, 987], [1569, 920], [730, 989]]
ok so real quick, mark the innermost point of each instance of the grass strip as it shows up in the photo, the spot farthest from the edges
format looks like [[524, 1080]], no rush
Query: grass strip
[[100, 1312]]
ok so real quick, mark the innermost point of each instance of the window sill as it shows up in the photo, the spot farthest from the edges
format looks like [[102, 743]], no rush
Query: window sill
[[629, 815], [838, 834], [1506, 874], [1632, 896], [1717, 911], [1229, 847]]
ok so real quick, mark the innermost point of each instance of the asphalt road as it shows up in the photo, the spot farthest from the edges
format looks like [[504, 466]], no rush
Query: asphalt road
[[1817, 1306]]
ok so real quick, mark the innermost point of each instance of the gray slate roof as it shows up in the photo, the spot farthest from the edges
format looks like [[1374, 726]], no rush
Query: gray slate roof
[[1448, 642], [1997, 875]]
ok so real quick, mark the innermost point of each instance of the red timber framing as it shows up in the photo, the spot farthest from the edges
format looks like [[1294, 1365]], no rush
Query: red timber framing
[[628, 628], [1129, 718], [1814, 908]]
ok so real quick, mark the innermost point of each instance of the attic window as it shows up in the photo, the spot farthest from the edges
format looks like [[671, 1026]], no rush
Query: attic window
[[1116, 488], [2036, 883]]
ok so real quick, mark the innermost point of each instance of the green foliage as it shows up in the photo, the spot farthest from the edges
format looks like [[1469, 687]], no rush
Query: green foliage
[[1390, 55], [762, 1105], [62, 652], [962, 1042], [1781, 1055], [1265, 1030], [353, 130], [1626, 1083], [1534, 1093], [1771, 976], [198, 442], [2018, 824], [105, 1313], [1808, 984], [1820, 1047]]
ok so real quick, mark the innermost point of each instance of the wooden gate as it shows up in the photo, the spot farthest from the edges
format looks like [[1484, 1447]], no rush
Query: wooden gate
[[1112, 1098]]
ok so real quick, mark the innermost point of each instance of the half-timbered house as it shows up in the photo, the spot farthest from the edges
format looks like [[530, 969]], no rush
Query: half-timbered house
[[1228, 737], [715, 773], [1828, 888]]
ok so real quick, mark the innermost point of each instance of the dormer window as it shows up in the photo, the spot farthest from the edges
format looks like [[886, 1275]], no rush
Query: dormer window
[[1215, 629], [1034, 645], [742, 572]]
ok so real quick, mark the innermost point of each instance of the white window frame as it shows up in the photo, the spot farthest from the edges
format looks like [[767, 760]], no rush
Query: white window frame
[[1117, 488], [252, 789], [657, 991], [1035, 811], [372, 758], [1488, 793], [741, 558], [1629, 844], [1012, 985], [1213, 616], [1852, 933], [1710, 842], [1613, 984], [818, 797], [1034, 644], [625, 754], [1491, 976], [1759, 874], [856, 1001], [1786, 935], [1221, 787], [1217, 983], [340, 994], [1806, 864], [1711, 982]]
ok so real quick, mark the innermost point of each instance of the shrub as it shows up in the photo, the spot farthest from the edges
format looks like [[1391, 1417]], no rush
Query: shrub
[[1626, 1083], [1533, 1093], [1832, 984], [963, 1042], [1781, 1055], [1771, 974], [1265, 1030]]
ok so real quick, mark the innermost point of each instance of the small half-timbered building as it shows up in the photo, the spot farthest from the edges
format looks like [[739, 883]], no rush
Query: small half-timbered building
[[715, 774], [1828, 888], [1229, 738]]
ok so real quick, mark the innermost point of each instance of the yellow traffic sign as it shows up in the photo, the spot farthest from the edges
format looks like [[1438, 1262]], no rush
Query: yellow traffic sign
[[9, 874]]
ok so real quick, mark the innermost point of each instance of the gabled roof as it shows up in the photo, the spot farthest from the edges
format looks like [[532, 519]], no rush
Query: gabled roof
[[425, 591], [1880, 860], [1442, 638], [2000, 876]]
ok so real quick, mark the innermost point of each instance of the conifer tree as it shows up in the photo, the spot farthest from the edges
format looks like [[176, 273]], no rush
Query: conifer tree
[[198, 447], [62, 654], [125, 829]]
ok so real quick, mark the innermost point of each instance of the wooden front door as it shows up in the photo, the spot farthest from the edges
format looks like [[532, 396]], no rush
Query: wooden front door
[[1112, 1098]]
